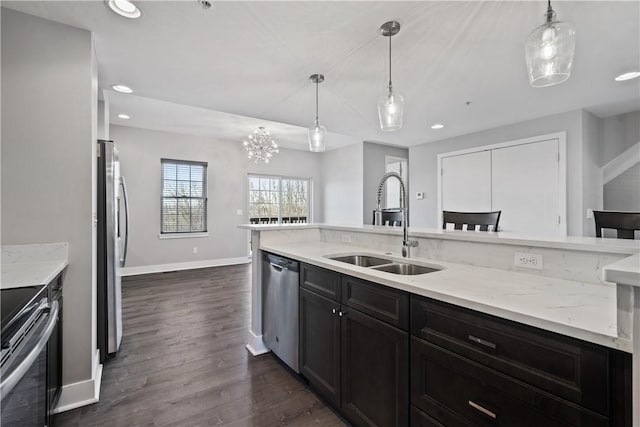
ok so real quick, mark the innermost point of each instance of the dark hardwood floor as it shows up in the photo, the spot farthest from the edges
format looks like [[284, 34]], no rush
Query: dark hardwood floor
[[183, 362]]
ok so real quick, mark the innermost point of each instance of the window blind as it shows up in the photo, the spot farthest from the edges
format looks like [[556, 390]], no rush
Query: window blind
[[183, 206]]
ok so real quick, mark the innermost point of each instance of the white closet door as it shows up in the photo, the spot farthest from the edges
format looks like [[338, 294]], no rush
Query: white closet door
[[466, 182], [525, 187]]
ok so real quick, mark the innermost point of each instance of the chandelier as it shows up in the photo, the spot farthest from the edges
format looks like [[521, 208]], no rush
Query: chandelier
[[260, 146]]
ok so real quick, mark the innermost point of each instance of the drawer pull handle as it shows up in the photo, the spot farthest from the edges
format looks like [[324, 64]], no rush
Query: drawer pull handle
[[485, 411], [482, 342], [333, 311]]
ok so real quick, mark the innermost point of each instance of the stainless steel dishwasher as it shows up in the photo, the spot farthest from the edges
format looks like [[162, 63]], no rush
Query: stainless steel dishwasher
[[280, 307]]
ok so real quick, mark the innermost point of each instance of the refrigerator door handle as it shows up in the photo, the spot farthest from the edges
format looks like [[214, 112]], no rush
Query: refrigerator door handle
[[125, 198]]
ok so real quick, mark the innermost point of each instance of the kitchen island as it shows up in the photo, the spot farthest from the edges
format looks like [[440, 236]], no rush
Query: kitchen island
[[567, 293]]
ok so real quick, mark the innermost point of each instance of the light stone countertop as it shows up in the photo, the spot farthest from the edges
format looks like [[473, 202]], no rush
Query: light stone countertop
[[573, 243], [624, 272], [586, 311], [32, 265]]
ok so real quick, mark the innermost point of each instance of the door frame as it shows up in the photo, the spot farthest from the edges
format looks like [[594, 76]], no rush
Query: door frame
[[562, 169]]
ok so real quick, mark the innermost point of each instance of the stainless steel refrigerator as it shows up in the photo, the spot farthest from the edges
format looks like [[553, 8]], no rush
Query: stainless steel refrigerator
[[113, 239]]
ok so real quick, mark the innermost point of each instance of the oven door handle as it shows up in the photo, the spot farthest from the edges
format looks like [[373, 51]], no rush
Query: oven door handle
[[9, 381]]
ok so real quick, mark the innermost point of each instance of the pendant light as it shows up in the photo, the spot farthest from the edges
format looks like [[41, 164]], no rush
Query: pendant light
[[549, 51], [317, 132], [390, 104]]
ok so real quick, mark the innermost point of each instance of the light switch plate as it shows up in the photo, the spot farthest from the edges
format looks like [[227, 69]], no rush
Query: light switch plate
[[419, 195], [589, 213], [239, 212], [527, 260]]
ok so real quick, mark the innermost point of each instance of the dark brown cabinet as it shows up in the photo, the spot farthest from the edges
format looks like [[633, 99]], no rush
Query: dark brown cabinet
[[320, 344], [358, 363], [472, 369], [383, 357], [459, 392], [375, 371]]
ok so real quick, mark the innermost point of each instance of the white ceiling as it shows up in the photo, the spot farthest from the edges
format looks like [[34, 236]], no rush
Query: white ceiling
[[253, 59], [149, 113]]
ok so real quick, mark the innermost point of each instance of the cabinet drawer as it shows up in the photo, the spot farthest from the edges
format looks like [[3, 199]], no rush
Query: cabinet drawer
[[569, 368], [459, 392], [321, 281], [420, 419], [378, 301]]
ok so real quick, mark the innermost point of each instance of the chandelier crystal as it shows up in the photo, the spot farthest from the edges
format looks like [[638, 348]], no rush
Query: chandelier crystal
[[390, 104], [317, 132], [260, 146], [549, 51]]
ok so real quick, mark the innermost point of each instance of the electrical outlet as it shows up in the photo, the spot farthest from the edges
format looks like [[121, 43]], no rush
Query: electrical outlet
[[239, 212], [345, 238], [195, 250], [526, 260], [589, 213], [420, 195]]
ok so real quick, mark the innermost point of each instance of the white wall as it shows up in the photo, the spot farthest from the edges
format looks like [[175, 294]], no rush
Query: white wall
[[619, 133], [592, 192], [49, 108], [423, 161], [140, 151], [342, 178], [374, 158]]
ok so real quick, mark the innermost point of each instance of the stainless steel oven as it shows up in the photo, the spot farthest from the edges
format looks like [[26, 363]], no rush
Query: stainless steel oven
[[23, 366]]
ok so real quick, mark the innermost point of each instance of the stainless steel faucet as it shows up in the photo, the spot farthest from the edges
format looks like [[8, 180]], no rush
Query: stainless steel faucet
[[406, 243]]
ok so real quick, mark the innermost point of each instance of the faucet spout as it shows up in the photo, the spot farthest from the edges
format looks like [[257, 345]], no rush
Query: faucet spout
[[406, 243]]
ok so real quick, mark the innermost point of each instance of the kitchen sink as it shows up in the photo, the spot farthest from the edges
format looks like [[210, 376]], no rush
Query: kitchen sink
[[362, 260], [405, 269]]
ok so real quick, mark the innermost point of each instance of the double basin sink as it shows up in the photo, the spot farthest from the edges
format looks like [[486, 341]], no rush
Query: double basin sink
[[386, 265]]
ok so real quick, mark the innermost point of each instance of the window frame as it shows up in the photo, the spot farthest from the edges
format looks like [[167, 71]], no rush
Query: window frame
[[205, 198], [280, 178]]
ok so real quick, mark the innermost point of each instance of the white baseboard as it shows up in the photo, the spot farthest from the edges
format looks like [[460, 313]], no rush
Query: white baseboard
[[162, 268], [255, 345], [81, 393]]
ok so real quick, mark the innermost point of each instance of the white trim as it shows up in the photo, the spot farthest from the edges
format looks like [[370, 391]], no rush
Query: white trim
[[255, 345], [177, 266], [182, 235], [562, 169], [621, 163], [81, 393]]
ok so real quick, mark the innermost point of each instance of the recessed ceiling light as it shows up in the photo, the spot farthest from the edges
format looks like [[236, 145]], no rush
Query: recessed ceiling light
[[124, 8], [124, 116], [628, 76], [122, 88], [437, 126]]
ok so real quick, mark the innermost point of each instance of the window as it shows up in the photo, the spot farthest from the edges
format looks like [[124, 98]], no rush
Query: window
[[274, 199], [184, 197]]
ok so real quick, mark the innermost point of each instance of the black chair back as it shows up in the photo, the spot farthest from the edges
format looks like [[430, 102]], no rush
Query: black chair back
[[393, 216], [483, 219], [625, 223]]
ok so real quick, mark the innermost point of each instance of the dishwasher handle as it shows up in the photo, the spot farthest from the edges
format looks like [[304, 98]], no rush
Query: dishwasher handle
[[281, 263], [278, 266]]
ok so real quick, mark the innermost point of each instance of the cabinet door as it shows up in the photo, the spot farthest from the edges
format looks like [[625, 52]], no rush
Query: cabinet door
[[375, 371], [320, 344]]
